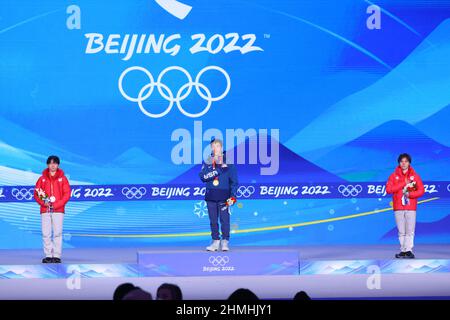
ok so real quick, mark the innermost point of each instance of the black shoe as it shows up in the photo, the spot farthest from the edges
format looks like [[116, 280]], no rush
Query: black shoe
[[409, 255], [47, 260], [400, 255], [56, 260]]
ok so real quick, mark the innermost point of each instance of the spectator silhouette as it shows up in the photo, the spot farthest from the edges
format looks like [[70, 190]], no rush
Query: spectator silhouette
[[242, 294], [168, 291], [122, 290], [138, 294], [302, 295]]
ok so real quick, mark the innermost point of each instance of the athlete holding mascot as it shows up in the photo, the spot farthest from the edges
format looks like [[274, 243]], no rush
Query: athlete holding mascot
[[406, 187]]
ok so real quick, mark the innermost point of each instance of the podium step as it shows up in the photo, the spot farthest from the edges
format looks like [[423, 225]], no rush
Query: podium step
[[182, 263]]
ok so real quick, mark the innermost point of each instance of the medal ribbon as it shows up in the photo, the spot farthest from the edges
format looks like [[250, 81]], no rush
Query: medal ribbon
[[216, 179]]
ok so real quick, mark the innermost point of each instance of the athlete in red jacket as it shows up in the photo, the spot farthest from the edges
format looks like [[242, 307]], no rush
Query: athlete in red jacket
[[52, 193], [406, 187]]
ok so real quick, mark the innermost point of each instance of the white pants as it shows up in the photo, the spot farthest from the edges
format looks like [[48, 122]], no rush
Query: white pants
[[406, 224], [52, 221]]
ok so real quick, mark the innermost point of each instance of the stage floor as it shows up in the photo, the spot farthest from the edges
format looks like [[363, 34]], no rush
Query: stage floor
[[128, 255], [325, 273]]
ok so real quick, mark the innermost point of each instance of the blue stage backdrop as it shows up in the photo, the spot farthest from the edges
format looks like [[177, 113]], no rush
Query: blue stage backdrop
[[314, 100]]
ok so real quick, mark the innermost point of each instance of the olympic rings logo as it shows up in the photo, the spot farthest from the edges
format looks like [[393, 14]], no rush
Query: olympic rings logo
[[448, 187], [165, 92], [245, 192], [219, 260], [133, 192], [22, 193], [350, 190]]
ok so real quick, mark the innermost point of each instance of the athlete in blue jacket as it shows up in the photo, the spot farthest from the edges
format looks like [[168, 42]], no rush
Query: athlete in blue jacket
[[221, 185]]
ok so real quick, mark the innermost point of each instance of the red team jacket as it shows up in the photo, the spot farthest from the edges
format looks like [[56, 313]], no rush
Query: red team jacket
[[57, 186], [395, 185]]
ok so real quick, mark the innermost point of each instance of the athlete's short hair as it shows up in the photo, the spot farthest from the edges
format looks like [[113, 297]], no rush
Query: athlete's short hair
[[214, 140], [54, 159], [403, 156]]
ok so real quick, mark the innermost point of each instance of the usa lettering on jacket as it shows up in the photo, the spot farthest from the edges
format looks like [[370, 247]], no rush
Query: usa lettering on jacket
[[211, 174]]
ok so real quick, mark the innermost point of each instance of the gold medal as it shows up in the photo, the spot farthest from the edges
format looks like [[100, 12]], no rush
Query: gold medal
[[216, 182]]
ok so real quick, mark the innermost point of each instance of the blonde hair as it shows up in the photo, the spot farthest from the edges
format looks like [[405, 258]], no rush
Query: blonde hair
[[217, 141]]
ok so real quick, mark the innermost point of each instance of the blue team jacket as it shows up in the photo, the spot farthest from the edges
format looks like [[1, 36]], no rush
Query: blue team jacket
[[228, 181]]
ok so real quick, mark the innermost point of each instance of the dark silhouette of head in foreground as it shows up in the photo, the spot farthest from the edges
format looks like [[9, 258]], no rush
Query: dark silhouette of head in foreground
[[301, 295], [168, 291], [128, 291], [242, 294], [122, 290], [138, 294]]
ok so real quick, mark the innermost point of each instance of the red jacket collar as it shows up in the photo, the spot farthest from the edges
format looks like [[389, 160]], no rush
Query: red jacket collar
[[58, 174], [410, 171]]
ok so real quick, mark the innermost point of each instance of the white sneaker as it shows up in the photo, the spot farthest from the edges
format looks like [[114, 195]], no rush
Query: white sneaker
[[214, 246], [224, 245]]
